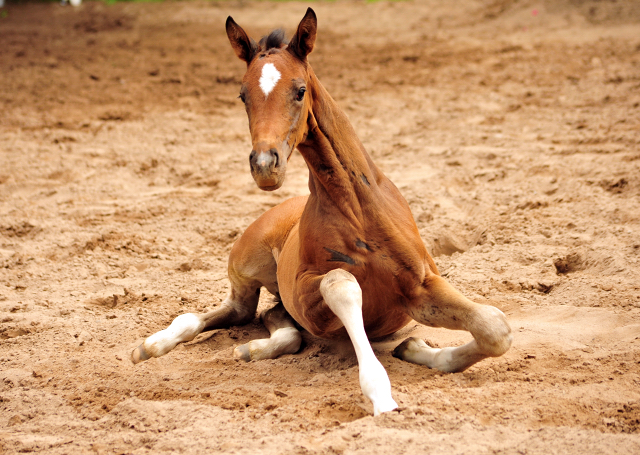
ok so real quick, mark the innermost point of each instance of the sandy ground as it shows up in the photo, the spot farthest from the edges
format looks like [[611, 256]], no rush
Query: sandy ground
[[512, 128]]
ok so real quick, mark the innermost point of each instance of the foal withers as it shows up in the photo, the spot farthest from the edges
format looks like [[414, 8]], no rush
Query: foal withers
[[347, 260]]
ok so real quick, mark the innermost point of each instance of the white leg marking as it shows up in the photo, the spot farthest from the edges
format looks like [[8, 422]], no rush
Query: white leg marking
[[417, 351], [286, 340], [343, 295], [183, 328], [269, 79]]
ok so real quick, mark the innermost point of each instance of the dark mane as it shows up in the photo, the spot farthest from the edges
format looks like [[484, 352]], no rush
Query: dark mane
[[274, 40]]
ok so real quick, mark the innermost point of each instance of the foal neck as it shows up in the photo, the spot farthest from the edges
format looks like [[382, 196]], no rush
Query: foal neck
[[353, 198], [340, 169]]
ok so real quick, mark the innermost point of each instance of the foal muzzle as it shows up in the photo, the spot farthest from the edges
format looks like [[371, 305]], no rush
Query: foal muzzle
[[268, 167]]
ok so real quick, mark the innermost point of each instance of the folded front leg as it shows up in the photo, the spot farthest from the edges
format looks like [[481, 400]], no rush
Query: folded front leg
[[444, 306]]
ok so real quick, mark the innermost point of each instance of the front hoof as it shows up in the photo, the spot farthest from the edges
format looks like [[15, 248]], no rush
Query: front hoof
[[387, 406], [409, 346], [139, 354], [242, 352]]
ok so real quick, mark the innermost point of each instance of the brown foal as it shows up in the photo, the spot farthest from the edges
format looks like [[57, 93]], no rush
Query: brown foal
[[347, 259]]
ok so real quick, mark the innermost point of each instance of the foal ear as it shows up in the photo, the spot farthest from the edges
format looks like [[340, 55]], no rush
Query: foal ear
[[302, 42], [244, 47]]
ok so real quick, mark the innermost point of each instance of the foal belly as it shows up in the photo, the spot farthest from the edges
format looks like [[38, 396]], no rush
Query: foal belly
[[382, 312]]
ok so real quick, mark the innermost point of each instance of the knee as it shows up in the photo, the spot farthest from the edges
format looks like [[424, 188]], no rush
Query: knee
[[492, 332], [341, 278]]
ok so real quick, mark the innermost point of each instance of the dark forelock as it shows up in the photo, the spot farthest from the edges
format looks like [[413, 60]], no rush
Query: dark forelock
[[273, 40]]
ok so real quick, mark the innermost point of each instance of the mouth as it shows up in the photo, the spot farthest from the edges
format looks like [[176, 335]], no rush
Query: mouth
[[270, 188], [269, 183]]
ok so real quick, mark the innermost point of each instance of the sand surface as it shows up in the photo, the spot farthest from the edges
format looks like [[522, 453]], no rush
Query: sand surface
[[512, 128]]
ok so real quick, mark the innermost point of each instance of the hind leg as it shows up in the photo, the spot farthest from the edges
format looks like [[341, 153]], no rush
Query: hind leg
[[237, 309], [444, 306], [251, 266], [285, 337]]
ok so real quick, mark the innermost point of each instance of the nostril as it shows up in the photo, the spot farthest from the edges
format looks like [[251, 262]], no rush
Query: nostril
[[276, 156], [253, 154]]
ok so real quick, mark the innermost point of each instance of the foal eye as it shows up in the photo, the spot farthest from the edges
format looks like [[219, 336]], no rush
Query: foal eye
[[300, 94], [242, 97]]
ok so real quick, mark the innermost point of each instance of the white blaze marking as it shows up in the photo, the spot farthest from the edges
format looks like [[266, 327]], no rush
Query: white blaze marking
[[269, 79]]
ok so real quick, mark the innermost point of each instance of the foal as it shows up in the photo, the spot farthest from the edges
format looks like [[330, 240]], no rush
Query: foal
[[346, 261]]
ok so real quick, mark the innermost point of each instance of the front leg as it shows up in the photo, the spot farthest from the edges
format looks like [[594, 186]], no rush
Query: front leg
[[444, 306], [342, 294]]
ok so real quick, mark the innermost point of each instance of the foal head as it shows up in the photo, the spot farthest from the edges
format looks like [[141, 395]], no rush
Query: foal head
[[274, 92]]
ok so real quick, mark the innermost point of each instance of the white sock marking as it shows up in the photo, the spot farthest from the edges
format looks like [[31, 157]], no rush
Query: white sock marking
[[344, 297], [183, 328], [269, 79]]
